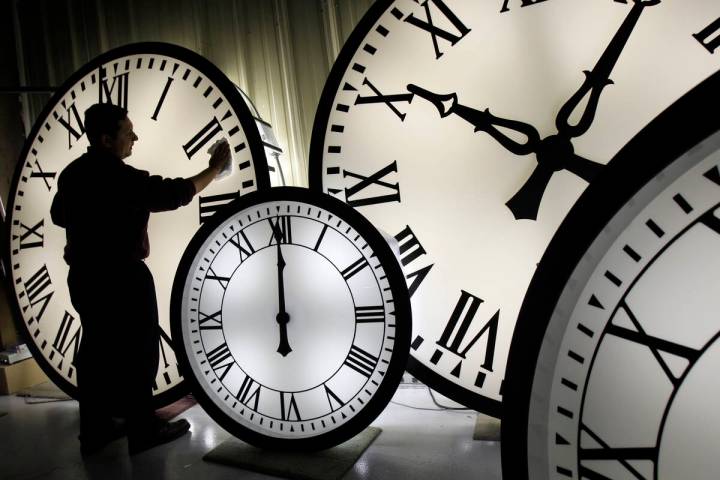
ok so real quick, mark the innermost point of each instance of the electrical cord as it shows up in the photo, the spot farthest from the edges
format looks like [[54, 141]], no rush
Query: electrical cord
[[440, 407]]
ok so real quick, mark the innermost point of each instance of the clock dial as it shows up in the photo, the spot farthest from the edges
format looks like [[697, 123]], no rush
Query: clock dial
[[468, 129], [294, 318], [612, 370], [180, 105]]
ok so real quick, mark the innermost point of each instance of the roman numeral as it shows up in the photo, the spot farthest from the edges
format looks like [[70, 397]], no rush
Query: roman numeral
[[370, 314], [223, 281], [73, 124], [208, 205], [288, 407], [115, 92], [39, 290], [65, 339], [711, 221], [454, 335], [622, 455], [374, 179], [163, 341], [524, 3], [45, 176], [320, 238], [709, 37], [435, 32], [31, 237], [361, 361], [410, 250], [210, 322], [280, 230], [202, 138], [162, 99], [221, 359], [241, 241], [356, 267], [656, 345], [388, 100], [249, 391], [333, 400]]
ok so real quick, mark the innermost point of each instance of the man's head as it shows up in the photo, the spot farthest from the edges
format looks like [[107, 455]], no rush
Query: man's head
[[108, 128]]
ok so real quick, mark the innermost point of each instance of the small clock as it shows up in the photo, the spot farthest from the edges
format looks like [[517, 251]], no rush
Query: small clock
[[180, 104], [613, 365], [467, 129], [293, 319]]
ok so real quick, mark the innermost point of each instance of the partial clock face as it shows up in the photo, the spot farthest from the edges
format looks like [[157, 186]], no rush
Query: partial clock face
[[623, 381], [294, 319], [468, 129], [180, 104]]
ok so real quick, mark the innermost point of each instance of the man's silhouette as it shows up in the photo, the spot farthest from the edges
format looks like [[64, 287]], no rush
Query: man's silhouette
[[104, 206]]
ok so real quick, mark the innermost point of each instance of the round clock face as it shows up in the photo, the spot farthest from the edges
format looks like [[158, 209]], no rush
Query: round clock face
[[622, 382], [294, 318], [180, 104], [468, 129]]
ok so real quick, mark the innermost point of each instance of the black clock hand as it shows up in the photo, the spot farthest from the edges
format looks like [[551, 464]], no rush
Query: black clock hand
[[483, 120], [282, 317], [597, 79]]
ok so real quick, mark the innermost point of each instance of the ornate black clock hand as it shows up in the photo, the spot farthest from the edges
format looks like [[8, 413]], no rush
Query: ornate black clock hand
[[282, 317], [483, 120], [597, 79]]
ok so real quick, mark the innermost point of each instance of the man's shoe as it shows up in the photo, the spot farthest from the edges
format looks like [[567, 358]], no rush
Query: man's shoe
[[93, 442], [160, 434]]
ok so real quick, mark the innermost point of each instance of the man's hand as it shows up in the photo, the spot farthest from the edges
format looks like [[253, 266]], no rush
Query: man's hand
[[220, 157]]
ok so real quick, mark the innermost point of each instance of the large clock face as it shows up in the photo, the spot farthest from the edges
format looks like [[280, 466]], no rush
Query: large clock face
[[294, 318], [467, 129], [180, 104], [613, 368]]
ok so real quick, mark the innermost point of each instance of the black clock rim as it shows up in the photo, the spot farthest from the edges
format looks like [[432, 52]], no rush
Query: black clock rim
[[254, 143], [415, 367], [403, 317], [676, 130]]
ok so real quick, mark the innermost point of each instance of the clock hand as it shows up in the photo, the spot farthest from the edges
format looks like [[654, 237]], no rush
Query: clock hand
[[282, 318], [483, 120], [597, 79]]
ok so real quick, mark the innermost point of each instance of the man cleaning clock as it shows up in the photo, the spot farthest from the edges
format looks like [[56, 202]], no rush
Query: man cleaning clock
[[104, 205]]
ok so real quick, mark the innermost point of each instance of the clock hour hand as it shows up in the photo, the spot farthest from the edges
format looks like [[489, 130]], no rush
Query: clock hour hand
[[599, 78], [483, 120], [282, 317]]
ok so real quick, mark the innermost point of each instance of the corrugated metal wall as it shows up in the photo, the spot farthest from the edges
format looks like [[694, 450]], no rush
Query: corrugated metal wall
[[278, 51]]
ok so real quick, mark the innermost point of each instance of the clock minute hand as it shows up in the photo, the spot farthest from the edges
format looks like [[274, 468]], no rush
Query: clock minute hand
[[483, 120], [599, 78], [282, 317]]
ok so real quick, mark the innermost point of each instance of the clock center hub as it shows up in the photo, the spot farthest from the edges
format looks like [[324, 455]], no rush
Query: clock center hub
[[318, 318], [554, 152]]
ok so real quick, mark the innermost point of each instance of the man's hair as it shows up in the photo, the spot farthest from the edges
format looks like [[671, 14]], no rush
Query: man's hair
[[103, 119]]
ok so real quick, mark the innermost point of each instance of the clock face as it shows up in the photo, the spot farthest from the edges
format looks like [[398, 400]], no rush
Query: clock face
[[613, 368], [180, 104], [294, 318], [468, 129]]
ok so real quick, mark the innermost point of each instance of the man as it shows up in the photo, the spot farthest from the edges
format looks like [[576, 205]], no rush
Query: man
[[104, 206]]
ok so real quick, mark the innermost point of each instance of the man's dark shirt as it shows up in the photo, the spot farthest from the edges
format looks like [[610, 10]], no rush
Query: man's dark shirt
[[104, 206]]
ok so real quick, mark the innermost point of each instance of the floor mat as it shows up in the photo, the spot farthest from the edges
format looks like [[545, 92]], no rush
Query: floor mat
[[487, 429], [330, 464], [45, 390]]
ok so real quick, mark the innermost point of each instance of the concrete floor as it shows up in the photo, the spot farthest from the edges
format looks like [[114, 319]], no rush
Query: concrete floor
[[39, 441]]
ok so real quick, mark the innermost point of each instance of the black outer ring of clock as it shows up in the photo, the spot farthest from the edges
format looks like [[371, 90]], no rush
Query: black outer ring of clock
[[401, 299], [332, 86], [676, 130], [237, 104]]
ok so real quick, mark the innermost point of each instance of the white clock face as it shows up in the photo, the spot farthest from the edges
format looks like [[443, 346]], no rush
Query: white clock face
[[613, 368], [468, 129], [291, 321], [180, 104]]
